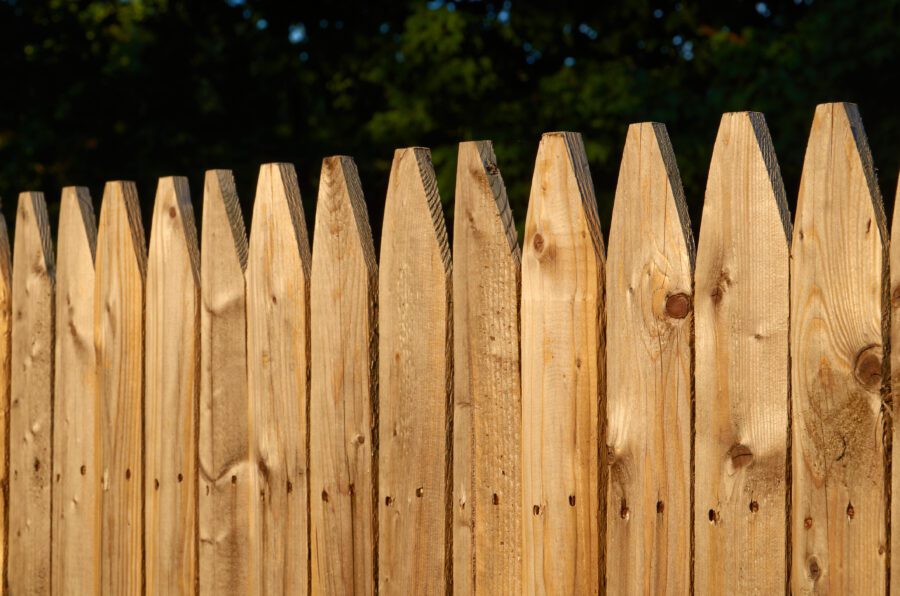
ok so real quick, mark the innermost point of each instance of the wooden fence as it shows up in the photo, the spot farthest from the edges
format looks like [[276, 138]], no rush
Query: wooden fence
[[231, 416]]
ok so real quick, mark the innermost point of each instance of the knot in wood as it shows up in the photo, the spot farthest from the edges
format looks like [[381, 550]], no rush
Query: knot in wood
[[895, 297], [868, 367], [740, 455], [538, 243], [678, 305], [812, 567]]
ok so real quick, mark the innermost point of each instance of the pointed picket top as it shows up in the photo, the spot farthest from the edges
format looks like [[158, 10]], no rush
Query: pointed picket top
[[225, 467], [487, 419], [121, 272], [76, 411], [172, 342], [648, 353], [895, 384], [741, 315], [562, 374], [344, 386], [278, 363], [31, 398], [838, 293], [415, 382]]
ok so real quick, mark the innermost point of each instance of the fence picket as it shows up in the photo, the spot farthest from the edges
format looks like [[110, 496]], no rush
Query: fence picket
[[487, 419], [31, 395], [278, 376], [121, 270], [563, 367], [415, 382], [5, 334], [76, 410], [344, 386], [170, 405], [894, 262], [838, 282], [741, 310], [225, 469], [648, 353]]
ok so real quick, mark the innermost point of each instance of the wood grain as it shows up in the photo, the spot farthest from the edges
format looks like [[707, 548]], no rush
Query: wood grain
[[415, 376], [648, 353], [76, 409], [278, 377], [31, 399], [894, 563], [225, 468], [5, 372], [838, 285], [121, 266], [741, 313], [563, 381], [344, 386], [172, 360], [487, 415]]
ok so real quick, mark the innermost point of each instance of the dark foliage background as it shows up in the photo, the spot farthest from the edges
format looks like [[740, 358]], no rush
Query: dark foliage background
[[137, 89]]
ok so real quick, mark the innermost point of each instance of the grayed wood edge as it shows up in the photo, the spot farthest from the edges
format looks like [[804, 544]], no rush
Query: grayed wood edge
[[6, 280], [684, 218], [770, 159], [42, 225], [188, 223], [501, 201], [88, 219], [221, 183]]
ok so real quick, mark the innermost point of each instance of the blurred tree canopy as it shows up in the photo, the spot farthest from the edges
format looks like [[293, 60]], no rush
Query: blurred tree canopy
[[137, 89]]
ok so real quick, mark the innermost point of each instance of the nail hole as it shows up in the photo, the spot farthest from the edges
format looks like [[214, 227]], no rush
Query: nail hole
[[754, 506], [325, 495], [388, 501], [156, 483], [572, 500], [536, 509], [495, 499], [850, 511], [290, 487], [420, 491], [128, 474], [37, 465], [713, 516], [234, 480], [180, 477], [83, 470], [660, 507], [352, 489], [623, 510]]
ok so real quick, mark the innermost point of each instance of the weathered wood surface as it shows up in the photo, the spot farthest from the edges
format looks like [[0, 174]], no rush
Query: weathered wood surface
[[649, 301], [225, 469], [172, 360], [5, 335], [31, 399], [838, 293], [563, 385], [487, 419], [121, 269], [741, 314], [278, 363], [415, 381], [344, 386], [76, 409]]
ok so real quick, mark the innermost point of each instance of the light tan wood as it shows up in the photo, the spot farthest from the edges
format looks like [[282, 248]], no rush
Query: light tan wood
[[563, 385], [838, 281], [487, 409], [278, 377], [648, 353], [741, 314], [225, 468], [121, 269], [76, 409], [894, 563], [31, 399], [5, 335], [415, 383], [344, 386], [172, 361]]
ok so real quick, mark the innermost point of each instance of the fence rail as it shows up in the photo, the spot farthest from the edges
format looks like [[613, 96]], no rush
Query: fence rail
[[255, 416]]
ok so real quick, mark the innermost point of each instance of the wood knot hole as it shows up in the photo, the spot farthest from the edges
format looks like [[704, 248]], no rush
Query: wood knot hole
[[868, 367], [678, 305]]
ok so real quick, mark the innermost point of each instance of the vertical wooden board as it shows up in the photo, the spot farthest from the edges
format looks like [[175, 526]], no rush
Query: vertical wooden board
[[31, 395], [838, 281], [563, 367], [121, 267], [415, 383], [172, 360], [648, 354], [225, 469], [344, 386], [741, 314], [5, 335], [487, 418], [894, 563], [76, 441], [278, 377]]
